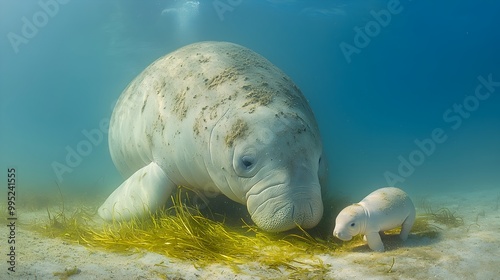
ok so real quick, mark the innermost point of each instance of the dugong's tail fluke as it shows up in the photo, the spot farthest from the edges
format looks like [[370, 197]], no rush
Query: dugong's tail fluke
[[144, 192]]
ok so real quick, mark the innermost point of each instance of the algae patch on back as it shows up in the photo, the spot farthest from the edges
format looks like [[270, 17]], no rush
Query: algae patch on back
[[228, 74], [238, 130], [180, 107], [256, 97]]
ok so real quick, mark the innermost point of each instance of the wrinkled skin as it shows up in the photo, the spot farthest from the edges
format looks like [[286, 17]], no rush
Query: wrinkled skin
[[217, 118], [276, 172]]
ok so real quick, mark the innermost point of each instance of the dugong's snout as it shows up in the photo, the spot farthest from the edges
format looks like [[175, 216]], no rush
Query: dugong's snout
[[275, 211], [342, 235]]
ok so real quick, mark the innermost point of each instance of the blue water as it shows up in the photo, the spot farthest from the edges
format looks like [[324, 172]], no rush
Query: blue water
[[60, 78]]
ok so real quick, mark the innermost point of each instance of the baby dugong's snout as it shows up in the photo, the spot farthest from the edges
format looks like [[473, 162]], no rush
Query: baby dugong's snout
[[340, 235]]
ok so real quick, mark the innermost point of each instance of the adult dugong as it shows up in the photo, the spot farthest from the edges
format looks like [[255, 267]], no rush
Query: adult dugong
[[217, 117]]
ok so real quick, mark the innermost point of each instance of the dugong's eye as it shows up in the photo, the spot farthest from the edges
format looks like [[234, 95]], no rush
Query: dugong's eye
[[247, 161], [244, 165], [353, 224]]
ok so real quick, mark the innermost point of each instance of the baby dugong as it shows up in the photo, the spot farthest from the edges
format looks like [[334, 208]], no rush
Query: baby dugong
[[384, 209]]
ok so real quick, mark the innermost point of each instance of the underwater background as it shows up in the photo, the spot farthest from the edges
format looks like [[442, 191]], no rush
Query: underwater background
[[406, 93]]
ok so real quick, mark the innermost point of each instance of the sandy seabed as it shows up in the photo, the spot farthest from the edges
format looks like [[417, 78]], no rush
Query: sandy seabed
[[469, 251]]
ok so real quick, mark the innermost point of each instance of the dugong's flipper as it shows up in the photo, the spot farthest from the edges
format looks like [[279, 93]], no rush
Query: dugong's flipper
[[374, 241], [145, 191], [407, 225]]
